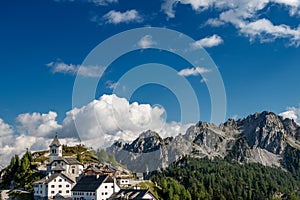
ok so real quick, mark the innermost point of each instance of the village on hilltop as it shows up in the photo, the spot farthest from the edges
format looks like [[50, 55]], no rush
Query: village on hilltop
[[67, 178]]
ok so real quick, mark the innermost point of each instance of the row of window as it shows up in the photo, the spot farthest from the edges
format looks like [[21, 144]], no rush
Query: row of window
[[82, 193], [53, 192], [53, 186], [60, 180]]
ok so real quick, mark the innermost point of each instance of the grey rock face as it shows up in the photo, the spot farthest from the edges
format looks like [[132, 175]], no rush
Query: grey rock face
[[261, 137]]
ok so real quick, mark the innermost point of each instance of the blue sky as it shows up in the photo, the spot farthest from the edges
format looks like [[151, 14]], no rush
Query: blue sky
[[254, 44]]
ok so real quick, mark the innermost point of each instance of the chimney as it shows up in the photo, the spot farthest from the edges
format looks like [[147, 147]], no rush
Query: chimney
[[115, 184]]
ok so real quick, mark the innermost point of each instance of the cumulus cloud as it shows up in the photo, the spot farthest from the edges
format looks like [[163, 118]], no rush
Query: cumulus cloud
[[211, 41], [195, 71], [99, 124], [292, 113], [37, 124], [17, 144], [114, 118], [116, 17], [146, 42], [34, 131], [85, 71], [5, 129], [244, 16]]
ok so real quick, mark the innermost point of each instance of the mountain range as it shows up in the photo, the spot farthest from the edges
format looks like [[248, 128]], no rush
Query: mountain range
[[259, 138]]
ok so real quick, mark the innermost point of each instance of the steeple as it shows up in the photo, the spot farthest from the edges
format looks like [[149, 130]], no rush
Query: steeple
[[55, 149], [55, 141]]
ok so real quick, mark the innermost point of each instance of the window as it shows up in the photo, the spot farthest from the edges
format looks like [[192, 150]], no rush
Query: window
[[59, 192], [68, 191], [60, 186], [105, 193], [102, 193], [105, 186], [68, 185], [52, 186], [112, 186], [60, 180], [52, 192]]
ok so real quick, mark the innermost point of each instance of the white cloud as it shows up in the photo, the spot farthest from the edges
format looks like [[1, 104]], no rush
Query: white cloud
[[211, 41], [292, 113], [111, 85], [85, 71], [146, 42], [113, 118], [195, 71], [100, 123], [17, 144], [264, 26], [36, 124], [33, 132], [214, 22], [244, 16], [5, 129], [116, 17]]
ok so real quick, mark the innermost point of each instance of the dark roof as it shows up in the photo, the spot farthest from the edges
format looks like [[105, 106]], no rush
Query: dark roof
[[55, 142], [48, 179], [130, 194], [91, 183], [92, 168], [70, 161], [58, 168]]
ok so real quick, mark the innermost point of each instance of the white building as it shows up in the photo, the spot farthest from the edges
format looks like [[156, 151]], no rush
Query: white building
[[62, 173], [133, 194], [94, 187], [70, 165], [124, 182], [55, 149], [53, 186]]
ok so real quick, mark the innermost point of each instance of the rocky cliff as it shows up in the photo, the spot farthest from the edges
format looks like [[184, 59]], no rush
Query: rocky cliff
[[261, 137]]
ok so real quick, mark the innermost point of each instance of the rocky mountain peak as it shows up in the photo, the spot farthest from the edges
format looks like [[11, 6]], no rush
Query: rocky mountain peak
[[148, 134], [147, 141], [260, 137]]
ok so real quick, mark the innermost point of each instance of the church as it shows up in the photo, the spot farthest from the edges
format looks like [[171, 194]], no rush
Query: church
[[61, 175], [59, 163]]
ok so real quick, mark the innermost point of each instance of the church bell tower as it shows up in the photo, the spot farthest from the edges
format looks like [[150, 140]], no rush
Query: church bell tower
[[55, 149]]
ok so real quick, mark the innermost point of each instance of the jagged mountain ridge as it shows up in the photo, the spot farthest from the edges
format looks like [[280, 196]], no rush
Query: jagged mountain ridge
[[260, 137]]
